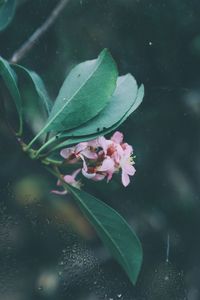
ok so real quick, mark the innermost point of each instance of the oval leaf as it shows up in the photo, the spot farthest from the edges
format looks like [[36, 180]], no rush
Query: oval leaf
[[85, 92], [121, 102], [7, 10], [113, 230], [76, 140], [10, 79]]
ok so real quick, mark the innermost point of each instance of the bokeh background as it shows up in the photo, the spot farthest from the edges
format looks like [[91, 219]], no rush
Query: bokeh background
[[48, 251]]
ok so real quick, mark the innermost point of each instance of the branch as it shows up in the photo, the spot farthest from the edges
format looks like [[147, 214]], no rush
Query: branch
[[30, 43]]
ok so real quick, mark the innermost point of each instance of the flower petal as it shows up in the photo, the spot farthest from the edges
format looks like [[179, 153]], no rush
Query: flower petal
[[110, 175], [80, 147], [84, 163], [128, 149], [129, 169], [76, 172], [59, 192], [94, 143], [107, 165], [88, 175], [69, 179], [103, 143], [67, 152], [99, 177], [117, 137], [125, 179], [89, 154]]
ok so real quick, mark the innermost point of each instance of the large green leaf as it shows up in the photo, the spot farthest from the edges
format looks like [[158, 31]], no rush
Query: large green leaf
[[10, 80], [38, 85], [75, 140], [85, 92], [7, 10], [120, 103], [113, 230]]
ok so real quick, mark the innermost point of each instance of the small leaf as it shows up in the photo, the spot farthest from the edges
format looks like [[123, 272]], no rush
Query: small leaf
[[7, 10], [10, 79], [113, 230], [122, 100], [38, 84], [75, 140]]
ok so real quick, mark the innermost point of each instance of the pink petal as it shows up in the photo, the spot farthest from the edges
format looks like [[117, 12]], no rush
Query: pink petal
[[128, 149], [103, 143], [59, 192], [88, 175], [59, 183], [69, 179], [108, 164], [75, 173], [125, 178], [65, 153], [80, 147], [118, 153], [94, 143], [117, 137], [110, 175], [98, 177], [89, 154], [84, 163], [129, 169]]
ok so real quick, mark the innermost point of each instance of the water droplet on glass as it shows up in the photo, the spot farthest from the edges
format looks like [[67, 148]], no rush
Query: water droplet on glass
[[119, 295]]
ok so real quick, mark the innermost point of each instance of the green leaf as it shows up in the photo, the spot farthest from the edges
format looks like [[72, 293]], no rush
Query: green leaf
[[76, 140], [85, 92], [7, 10], [113, 230], [122, 100], [35, 99], [38, 85], [10, 80]]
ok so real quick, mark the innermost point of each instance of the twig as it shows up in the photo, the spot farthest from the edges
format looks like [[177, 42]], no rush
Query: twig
[[28, 45]]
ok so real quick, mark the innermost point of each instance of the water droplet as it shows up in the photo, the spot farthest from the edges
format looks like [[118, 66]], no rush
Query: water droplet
[[119, 295]]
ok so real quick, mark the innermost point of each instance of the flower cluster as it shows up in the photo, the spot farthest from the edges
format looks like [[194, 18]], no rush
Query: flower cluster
[[100, 158]]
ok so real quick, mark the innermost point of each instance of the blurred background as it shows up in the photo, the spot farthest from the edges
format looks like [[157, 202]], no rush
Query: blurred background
[[48, 251]]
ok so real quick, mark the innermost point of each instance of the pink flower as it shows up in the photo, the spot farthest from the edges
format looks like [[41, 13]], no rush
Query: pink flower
[[107, 168], [74, 153], [117, 137], [70, 179], [126, 163], [101, 158]]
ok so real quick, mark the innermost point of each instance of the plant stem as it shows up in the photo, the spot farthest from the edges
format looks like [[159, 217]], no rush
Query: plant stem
[[44, 146], [55, 171], [47, 137], [54, 162], [30, 43]]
